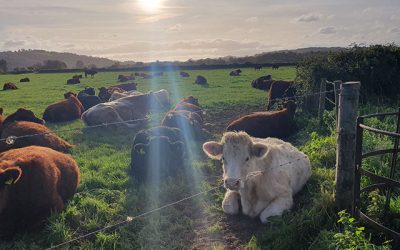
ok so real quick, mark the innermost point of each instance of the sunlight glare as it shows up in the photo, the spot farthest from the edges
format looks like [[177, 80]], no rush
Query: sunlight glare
[[150, 5]]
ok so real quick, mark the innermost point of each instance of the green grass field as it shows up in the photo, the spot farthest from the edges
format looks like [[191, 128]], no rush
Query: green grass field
[[108, 195]]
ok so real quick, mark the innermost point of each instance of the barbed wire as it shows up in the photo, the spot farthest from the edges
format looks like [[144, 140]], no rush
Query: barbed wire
[[129, 219]]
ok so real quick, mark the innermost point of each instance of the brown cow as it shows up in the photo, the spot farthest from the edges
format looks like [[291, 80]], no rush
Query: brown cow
[[9, 86], [190, 100], [20, 115], [63, 111], [280, 90], [189, 107], [35, 182], [47, 139], [279, 124], [186, 122], [126, 86], [105, 93]]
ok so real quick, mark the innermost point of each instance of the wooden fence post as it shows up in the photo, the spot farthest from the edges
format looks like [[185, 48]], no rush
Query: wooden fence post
[[346, 144], [336, 85], [321, 106]]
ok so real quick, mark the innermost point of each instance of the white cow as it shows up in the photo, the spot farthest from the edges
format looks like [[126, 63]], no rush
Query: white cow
[[263, 174], [126, 109], [117, 95]]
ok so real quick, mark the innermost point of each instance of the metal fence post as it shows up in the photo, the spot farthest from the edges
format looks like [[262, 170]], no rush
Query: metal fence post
[[346, 144]]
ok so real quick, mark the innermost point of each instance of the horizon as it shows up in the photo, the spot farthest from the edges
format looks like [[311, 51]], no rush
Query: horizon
[[177, 30]]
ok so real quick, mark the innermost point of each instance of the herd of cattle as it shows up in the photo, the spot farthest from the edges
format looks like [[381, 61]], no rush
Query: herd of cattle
[[37, 177]]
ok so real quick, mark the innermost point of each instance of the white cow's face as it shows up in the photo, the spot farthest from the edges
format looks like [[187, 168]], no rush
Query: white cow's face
[[238, 158]]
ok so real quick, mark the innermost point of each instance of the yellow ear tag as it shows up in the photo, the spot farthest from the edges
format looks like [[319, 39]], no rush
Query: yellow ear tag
[[9, 181]]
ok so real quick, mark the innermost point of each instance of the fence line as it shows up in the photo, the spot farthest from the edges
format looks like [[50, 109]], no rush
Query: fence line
[[129, 219], [10, 140]]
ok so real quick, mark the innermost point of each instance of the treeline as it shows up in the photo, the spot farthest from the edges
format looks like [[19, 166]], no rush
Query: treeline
[[39, 60], [377, 67]]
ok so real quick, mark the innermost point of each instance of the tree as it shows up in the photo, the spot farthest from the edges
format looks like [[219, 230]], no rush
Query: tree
[[3, 66], [54, 64], [79, 64]]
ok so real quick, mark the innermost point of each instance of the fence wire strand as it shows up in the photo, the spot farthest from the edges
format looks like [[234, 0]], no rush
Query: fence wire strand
[[11, 139]]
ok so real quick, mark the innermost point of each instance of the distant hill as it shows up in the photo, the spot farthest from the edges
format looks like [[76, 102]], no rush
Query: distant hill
[[28, 58]]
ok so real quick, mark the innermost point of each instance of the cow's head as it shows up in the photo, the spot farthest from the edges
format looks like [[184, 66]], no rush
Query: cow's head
[[9, 175], [23, 115], [238, 154]]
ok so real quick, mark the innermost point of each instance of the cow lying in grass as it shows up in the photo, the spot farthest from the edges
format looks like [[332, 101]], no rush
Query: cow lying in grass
[[35, 182], [279, 124], [9, 86], [126, 109], [263, 174], [23, 122], [157, 151], [88, 98], [117, 95], [63, 111]]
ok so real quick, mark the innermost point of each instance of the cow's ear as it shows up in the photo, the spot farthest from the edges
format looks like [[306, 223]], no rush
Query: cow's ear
[[10, 176], [213, 150], [259, 150]]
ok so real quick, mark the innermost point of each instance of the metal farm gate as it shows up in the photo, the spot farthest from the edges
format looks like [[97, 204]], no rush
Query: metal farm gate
[[385, 184]]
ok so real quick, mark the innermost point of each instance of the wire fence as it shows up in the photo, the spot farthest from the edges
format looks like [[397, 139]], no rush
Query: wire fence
[[10, 140], [130, 219]]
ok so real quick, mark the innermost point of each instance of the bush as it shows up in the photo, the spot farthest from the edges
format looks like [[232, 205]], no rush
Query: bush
[[377, 67]]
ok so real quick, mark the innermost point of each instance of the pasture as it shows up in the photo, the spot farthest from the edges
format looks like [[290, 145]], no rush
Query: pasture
[[108, 195]]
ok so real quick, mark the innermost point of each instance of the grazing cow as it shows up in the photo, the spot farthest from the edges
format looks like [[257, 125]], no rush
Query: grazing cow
[[122, 78], [9, 86], [22, 128], [275, 66], [35, 182], [88, 98], [279, 124], [261, 174], [117, 95], [20, 115], [184, 74], [235, 72], [158, 151], [280, 90], [90, 72], [263, 83], [73, 81], [258, 67], [63, 111], [26, 79], [201, 80], [127, 109]]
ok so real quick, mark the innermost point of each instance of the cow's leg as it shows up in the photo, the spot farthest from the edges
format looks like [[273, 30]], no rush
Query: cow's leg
[[276, 208], [230, 204]]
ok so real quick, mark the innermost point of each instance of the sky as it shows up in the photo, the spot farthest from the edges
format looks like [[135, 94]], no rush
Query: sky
[[149, 30]]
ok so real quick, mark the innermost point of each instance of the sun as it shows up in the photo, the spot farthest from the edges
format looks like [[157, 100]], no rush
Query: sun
[[150, 5]]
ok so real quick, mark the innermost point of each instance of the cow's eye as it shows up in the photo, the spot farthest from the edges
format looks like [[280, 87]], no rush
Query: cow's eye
[[223, 158], [247, 159]]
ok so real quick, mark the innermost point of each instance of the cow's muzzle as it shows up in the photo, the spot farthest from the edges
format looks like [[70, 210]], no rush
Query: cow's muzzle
[[231, 183]]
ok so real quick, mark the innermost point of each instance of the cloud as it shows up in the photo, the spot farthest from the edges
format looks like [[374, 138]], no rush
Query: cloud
[[12, 44], [328, 30], [310, 17], [394, 30], [253, 19], [176, 27], [156, 18]]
